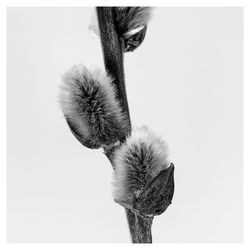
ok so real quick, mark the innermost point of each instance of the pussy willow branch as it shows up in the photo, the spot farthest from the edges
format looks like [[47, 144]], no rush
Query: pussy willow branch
[[140, 227], [112, 46]]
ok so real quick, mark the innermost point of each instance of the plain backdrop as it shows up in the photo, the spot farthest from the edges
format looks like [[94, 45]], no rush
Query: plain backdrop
[[184, 82]]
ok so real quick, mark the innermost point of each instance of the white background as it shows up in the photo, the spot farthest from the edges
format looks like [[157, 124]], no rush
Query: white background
[[185, 82]]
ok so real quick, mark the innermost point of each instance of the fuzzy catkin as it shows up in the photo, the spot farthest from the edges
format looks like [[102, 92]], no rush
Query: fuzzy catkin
[[137, 162], [89, 104], [129, 18]]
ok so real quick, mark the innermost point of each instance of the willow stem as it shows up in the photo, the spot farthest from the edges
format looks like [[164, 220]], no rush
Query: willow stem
[[140, 227], [112, 47]]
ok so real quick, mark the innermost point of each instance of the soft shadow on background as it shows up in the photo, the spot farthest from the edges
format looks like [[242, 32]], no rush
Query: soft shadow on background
[[184, 82]]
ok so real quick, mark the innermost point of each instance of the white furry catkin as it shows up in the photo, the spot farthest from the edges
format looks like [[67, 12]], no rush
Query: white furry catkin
[[88, 101], [130, 18], [137, 162], [130, 23]]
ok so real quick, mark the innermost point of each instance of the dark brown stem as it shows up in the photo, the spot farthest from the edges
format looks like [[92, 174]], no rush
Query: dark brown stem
[[112, 47], [132, 225], [140, 227]]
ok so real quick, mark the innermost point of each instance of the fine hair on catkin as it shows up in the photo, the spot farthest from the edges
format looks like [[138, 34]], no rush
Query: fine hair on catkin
[[88, 101], [137, 162]]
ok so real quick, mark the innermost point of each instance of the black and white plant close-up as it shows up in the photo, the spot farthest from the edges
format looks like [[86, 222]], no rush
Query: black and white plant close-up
[[125, 124], [95, 107]]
